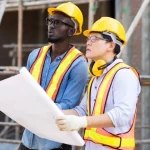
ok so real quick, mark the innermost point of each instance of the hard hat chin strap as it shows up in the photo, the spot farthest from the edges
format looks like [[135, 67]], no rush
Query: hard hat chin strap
[[75, 24], [114, 38]]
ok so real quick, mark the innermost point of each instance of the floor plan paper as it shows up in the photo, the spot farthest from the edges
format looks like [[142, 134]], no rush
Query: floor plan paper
[[24, 101]]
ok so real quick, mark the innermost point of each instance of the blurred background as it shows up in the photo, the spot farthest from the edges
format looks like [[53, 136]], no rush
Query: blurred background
[[23, 28]]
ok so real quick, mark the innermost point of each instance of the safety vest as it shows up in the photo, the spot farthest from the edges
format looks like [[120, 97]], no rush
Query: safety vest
[[55, 82], [124, 141]]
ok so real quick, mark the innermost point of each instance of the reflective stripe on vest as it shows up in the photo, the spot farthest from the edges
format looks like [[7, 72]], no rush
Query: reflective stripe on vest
[[124, 141], [55, 82]]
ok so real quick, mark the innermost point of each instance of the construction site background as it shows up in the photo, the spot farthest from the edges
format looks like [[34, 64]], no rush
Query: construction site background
[[23, 29]]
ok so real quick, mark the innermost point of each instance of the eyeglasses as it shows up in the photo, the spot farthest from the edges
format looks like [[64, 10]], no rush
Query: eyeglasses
[[95, 38], [56, 22]]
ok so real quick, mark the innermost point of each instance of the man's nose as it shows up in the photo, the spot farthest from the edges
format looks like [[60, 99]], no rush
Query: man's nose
[[50, 27], [88, 43]]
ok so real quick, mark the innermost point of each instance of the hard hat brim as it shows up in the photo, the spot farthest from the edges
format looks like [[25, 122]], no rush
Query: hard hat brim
[[86, 33], [51, 10]]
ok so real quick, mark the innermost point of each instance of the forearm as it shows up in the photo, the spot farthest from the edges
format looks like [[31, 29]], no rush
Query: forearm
[[70, 112], [101, 121]]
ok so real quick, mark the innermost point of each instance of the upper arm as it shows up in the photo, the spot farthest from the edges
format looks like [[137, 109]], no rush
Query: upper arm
[[82, 108], [126, 89]]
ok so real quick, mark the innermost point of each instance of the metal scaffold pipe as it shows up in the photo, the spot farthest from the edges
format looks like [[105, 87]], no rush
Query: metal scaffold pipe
[[2, 8], [20, 30], [136, 21]]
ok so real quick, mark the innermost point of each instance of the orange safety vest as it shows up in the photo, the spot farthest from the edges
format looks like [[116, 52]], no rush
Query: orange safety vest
[[124, 141], [65, 64]]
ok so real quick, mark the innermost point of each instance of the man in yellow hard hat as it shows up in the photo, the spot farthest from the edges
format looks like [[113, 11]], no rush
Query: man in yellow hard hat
[[108, 109], [57, 68]]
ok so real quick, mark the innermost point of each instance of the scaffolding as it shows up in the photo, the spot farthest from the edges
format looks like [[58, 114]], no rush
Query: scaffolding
[[20, 5]]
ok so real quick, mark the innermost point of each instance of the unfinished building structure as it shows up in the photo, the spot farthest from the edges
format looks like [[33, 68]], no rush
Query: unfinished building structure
[[23, 29]]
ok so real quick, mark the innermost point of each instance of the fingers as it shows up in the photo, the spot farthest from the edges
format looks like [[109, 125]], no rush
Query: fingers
[[60, 117], [63, 123], [62, 127], [60, 120], [65, 127]]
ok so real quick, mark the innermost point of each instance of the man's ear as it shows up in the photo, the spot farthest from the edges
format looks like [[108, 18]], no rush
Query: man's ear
[[112, 46], [71, 32]]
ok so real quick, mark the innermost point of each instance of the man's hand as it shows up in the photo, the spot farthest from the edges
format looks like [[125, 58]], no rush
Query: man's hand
[[71, 122]]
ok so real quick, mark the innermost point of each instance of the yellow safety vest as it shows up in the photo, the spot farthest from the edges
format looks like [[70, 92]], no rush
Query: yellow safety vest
[[124, 141], [65, 64]]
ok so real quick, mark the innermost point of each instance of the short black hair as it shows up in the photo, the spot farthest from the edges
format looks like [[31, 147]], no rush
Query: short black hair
[[109, 39]]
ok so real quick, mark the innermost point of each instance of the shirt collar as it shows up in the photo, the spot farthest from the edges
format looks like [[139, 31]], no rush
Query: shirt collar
[[60, 57], [112, 65]]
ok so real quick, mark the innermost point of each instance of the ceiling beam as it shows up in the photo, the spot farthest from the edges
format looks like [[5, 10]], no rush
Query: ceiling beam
[[13, 6]]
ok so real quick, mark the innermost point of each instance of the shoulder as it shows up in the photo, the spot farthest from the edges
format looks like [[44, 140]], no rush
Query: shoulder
[[80, 63], [32, 56], [126, 77], [125, 74], [79, 68], [34, 53], [82, 57]]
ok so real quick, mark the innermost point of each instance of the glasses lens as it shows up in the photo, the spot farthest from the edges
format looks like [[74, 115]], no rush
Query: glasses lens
[[93, 38], [57, 22], [49, 21]]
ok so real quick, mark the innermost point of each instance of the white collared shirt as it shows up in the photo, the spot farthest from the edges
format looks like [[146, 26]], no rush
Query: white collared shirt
[[121, 102]]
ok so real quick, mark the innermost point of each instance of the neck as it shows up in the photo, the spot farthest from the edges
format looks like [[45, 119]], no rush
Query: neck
[[59, 48], [107, 58]]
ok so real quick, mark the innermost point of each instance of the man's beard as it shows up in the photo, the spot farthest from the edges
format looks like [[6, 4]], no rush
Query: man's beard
[[56, 40]]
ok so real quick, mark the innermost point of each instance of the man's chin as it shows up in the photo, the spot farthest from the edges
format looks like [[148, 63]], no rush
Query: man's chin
[[55, 40], [52, 40]]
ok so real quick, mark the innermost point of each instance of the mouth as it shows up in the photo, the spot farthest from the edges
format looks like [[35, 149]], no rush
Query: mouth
[[88, 50], [50, 32]]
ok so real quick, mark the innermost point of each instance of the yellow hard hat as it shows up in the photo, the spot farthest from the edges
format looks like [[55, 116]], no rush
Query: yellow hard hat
[[72, 11], [107, 24]]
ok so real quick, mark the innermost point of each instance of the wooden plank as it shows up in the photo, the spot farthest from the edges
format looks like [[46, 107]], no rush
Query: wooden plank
[[20, 30], [42, 4]]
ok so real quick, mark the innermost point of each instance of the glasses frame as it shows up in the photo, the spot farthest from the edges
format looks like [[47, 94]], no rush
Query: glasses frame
[[96, 38], [48, 20]]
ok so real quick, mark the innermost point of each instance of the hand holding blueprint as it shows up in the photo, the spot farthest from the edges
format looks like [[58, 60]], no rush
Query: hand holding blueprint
[[23, 100]]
